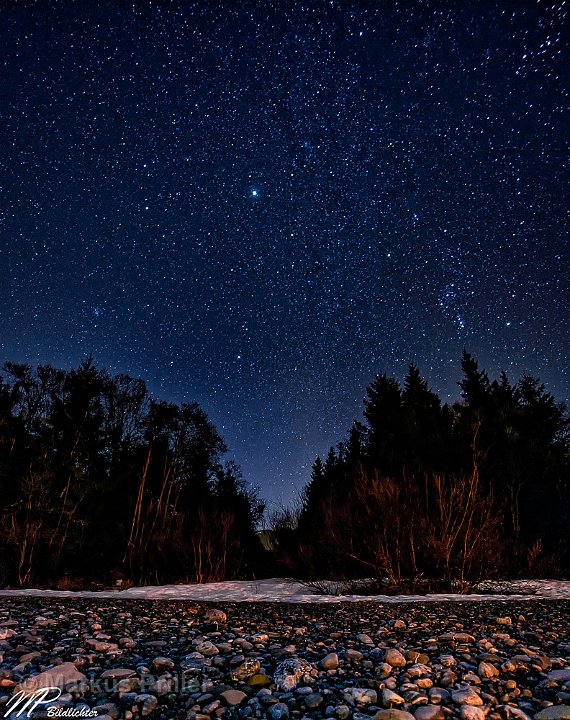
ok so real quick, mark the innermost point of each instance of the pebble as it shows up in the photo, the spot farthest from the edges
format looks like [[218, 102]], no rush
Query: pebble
[[557, 676], [313, 700], [329, 662], [149, 703], [118, 673], [246, 669], [457, 638], [438, 695], [394, 658], [258, 680], [554, 712], [487, 670], [289, 673], [390, 698], [470, 712], [60, 676], [163, 663], [346, 662], [429, 712], [342, 712], [279, 711], [393, 714], [361, 696], [466, 696], [214, 615]]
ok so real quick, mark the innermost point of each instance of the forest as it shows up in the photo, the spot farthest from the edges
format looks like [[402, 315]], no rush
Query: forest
[[101, 484]]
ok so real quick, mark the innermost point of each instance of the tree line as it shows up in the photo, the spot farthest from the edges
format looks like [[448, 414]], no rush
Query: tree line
[[101, 482], [444, 493]]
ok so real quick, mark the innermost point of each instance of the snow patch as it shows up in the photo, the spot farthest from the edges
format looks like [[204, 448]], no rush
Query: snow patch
[[291, 591]]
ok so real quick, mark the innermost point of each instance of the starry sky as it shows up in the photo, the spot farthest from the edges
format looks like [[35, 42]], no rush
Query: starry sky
[[261, 205]]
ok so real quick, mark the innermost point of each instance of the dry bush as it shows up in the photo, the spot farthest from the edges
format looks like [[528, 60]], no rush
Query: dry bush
[[463, 532], [419, 533]]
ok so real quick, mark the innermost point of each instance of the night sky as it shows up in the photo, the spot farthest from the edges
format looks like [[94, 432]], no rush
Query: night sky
[[260, 206]]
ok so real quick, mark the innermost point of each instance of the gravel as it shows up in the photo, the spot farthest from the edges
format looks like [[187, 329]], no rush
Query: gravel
[[128, 659]]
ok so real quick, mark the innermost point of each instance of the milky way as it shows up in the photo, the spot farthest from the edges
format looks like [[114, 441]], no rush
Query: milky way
[[259, 206]]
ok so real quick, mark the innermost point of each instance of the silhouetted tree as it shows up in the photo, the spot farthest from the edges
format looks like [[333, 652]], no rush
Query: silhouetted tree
[[97, 480], [484, 484]]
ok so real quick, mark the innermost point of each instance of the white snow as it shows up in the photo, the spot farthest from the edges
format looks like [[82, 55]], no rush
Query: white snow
[[287, 590]]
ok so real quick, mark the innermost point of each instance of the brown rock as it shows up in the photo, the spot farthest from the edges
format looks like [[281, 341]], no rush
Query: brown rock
[[233, 697], [60, 676], [393, 714]]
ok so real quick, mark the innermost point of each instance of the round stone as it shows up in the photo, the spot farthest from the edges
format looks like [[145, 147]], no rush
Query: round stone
[[555, 712], [279, 711], [466, 696], [329, 662], [394, 658], [233, 697]]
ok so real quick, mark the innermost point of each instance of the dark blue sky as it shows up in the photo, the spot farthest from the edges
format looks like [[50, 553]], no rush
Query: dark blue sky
[[259, 206]]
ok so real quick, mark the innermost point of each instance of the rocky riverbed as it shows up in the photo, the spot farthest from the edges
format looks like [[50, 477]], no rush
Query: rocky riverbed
[[194, 661]]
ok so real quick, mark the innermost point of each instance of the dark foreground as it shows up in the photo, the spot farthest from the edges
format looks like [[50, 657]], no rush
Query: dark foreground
[[161, 659]]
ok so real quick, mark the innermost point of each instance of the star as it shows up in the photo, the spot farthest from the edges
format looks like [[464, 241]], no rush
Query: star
[[263, 218]]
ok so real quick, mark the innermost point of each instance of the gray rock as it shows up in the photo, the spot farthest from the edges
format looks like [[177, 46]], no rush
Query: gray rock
[[211, 707], [360, 696], [128, 685], [558, 676], [118, 673], [107, 710], [342, 712], [290, 672], [279, 711], [193, 664], [329, 662], [313, 700], [214, 615], [149, 703], [259, 638], [555, 712], [162, 686]]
